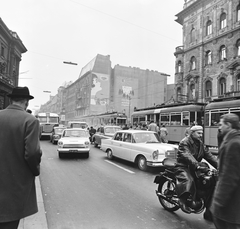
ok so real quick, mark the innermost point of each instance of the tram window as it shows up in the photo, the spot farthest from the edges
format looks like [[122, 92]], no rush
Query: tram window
[[192, 118], [200, 118], [176, 119], [142, 119], [215, 118], [186, 118], [164, 119], [237, 112], [206, 123]]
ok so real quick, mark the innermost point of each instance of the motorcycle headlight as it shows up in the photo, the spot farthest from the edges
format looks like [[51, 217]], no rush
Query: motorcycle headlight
[[155, 154]]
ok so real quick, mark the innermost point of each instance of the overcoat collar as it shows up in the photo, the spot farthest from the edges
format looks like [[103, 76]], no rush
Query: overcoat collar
[[15, 107]]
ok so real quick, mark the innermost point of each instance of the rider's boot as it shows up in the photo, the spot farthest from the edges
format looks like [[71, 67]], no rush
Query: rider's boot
[[207, 215]]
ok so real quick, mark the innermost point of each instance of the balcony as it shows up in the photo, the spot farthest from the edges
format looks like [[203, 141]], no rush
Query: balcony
[[6, 79], [178, 50], [230, 94]]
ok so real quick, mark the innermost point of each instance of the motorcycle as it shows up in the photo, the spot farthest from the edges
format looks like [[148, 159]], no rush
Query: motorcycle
[[205, 182]]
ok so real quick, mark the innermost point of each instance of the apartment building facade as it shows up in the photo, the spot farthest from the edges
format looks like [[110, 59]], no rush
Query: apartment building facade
[[208, 62], [11, 50]]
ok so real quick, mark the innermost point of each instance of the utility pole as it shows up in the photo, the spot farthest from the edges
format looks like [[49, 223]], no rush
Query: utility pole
[[129, 104]]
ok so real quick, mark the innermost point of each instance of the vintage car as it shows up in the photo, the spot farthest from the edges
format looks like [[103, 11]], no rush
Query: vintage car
[[56, 134], [139, 146], [74, 140], [104, 132]]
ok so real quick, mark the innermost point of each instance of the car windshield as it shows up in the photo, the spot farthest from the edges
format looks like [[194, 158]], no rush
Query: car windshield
[[146, 137], [75, 133], [58, 130], [111, 130]]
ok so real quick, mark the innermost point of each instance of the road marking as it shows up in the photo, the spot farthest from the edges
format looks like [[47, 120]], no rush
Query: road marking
[[127, 170]]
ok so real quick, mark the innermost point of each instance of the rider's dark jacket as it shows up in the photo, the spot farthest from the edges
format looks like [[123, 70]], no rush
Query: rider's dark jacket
[[190, 153]]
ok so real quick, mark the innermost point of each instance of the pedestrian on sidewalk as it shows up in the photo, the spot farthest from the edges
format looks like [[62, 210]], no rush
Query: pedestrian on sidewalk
[[163, 134], [20, 157]]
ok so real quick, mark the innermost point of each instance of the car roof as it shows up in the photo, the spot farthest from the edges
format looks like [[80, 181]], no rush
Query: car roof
[[76, 129], [112, 126], [135, 131]]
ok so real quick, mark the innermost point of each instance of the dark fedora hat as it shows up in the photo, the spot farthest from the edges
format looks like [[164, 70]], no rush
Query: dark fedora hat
[[20, 92]]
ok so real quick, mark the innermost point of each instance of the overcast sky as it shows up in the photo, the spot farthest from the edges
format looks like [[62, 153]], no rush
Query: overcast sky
[[136, 33]]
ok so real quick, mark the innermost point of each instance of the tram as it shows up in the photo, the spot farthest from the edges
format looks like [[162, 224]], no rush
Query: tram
[[176, 118], [113, 118], [213, 112]]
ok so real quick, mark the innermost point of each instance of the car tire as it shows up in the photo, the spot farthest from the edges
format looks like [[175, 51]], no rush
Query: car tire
[[142, 163], [60, 155], [87, 155], [95, 144], [109, 154]]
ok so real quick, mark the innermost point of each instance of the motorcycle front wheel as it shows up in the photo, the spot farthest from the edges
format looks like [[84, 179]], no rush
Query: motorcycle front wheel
[[167, 188]]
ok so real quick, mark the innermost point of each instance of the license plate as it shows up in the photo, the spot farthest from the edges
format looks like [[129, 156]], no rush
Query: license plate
[[73, 151]]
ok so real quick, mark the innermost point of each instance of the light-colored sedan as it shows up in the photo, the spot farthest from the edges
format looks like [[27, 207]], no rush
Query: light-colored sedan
[[74, 140], [139, 146]]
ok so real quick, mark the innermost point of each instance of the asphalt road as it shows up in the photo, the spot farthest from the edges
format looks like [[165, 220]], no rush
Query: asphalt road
[[96, 193]]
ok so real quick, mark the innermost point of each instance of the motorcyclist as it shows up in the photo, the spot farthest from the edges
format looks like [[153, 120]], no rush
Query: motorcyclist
[[92, 131], [190, 154]]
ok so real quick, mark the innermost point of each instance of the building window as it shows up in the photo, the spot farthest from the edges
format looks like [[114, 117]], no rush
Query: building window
[[192, 92], [238, 12], [208, 86], [208, 57], [223, 20], [238, 83], [222, 86], [209, 27], [2, 51], [193, 63], [192, 35], [222, 52], [179, 66], [238, 47]]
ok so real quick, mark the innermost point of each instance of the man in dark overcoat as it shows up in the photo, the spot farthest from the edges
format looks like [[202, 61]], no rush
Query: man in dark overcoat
[[20, 157], [225, 206]]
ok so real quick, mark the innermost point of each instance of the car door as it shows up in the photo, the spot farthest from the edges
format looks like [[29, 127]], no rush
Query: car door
[[117, 144], [126, 147]]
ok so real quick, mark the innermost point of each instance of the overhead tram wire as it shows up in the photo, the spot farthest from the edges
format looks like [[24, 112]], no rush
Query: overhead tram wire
[[120, 19]]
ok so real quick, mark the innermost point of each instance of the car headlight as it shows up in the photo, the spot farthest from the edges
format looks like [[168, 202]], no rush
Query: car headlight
[[60, 144], [155, 154], [87, 144]]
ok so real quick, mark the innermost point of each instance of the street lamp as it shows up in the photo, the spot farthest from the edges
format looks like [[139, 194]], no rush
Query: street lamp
[[69, 62]]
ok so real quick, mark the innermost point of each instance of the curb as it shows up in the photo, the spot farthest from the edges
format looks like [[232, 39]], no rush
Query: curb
[[38, 220]]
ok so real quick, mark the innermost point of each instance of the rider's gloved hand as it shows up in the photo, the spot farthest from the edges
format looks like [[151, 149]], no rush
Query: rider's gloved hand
[[202, 168]]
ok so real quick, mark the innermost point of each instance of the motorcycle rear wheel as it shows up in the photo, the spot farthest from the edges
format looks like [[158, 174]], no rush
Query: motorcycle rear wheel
[[167, 188]]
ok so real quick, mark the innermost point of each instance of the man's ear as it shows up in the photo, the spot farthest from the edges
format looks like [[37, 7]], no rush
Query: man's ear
[[229, 124]]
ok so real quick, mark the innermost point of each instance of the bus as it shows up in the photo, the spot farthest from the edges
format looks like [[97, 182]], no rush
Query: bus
[[175, 117], [213, 112], [47, 121], [113, 118]]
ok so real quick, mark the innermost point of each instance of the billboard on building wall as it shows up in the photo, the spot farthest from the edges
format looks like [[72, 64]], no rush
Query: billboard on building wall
[[126, 93], [100, 92]]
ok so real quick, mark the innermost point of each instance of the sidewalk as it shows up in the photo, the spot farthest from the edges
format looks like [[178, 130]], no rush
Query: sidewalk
[[38, 220]]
